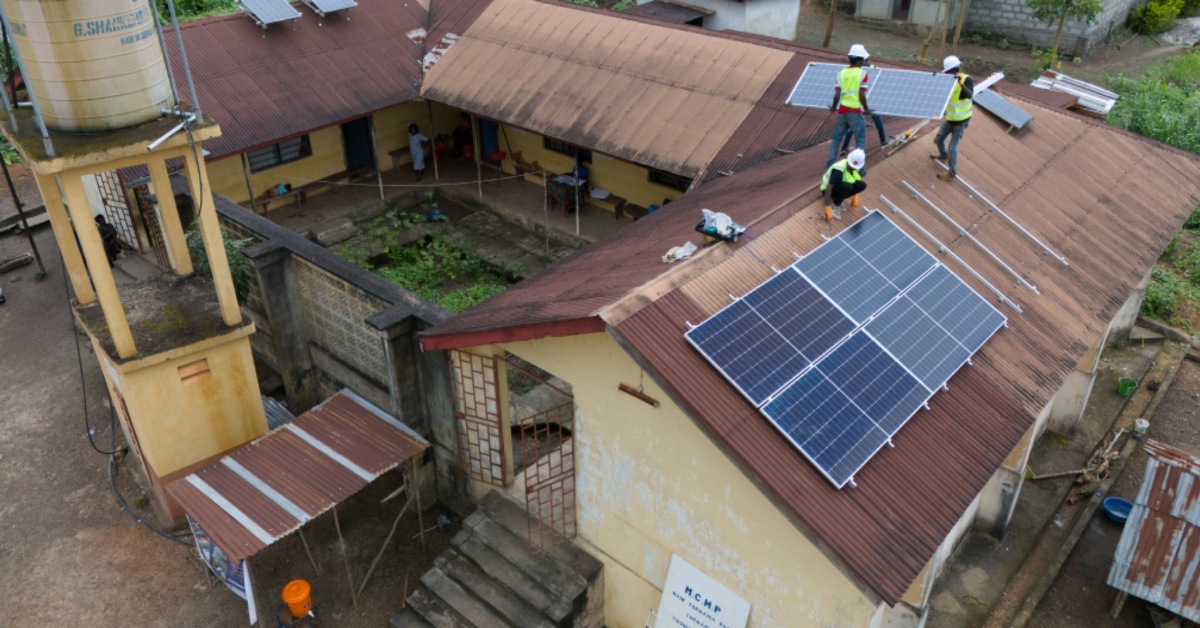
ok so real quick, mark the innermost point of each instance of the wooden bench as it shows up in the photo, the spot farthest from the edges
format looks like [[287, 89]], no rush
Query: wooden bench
[[266, 199], [300, 193], [400, 157], [531, 170], [612, 203], [631, 210]]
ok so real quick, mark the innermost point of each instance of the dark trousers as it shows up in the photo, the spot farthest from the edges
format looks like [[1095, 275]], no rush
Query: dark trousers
[[843, 191]]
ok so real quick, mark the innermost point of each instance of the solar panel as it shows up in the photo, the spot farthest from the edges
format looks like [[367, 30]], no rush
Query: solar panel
[[267, 12], [815, 87], [842, 348], [324, 7], [891, 92], [1002, 108]]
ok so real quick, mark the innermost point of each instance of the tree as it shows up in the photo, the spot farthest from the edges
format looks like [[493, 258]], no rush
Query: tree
[[1049, 10]]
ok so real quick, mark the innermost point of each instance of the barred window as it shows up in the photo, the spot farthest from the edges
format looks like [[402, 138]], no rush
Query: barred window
[[673, 181], [281, 153], [584, 155]]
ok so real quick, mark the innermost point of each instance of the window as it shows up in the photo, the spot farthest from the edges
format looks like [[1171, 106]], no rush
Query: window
[[673, 181], [585, 156], [281, 153]]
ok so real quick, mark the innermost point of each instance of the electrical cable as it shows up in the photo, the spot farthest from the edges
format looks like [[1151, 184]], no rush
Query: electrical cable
[[87, 423]]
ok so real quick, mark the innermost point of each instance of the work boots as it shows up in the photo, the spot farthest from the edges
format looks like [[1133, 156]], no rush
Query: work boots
[[948, 175], [854, 201], [939, 157]]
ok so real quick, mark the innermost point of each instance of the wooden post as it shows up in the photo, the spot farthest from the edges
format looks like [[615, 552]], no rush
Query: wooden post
[[386, 541], [375, 154], [945, 27], [345, 559], [214, 243], [416, 494], [963, 5], [177, 251], [478, 144], [97, 263], [300, 532], [249, 186], [65, 237], [433, 140]]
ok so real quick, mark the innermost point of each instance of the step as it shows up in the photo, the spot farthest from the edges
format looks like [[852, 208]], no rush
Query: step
[[504, 511], [435, 611], [491, 591], [408, 618], [557, 578], [499, 568], [466, 604]]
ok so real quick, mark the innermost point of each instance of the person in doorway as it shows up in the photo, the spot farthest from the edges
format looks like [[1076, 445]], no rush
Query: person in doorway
[[843, 180], [958, 116], [416, 145], [850, 103], [462, 137], [108, 237]]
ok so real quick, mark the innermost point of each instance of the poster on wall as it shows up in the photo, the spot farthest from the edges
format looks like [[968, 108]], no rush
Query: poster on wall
[[235, 576], [691, 599]]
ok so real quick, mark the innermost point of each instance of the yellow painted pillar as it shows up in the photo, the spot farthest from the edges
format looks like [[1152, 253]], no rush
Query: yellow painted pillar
[[65, 237], [177, 249], [102, 277], [214, 244]]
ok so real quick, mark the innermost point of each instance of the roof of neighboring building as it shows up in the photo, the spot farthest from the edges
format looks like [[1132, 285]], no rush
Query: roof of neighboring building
[[264, 86], [673, 12], [1106, 200], [619, 86]]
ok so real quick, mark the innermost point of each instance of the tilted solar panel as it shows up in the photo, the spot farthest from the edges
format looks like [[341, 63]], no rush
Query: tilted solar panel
[[267, 12], [906, 93], [815, 87], [1003, 108], [325, 7]]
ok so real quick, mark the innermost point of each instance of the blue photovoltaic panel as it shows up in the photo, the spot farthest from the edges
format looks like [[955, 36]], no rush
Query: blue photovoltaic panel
[[918, 342], [795, 309], [840, 272], [323, 7], [842, 411], [888, 249], [269, 11], [747, 351], [815, 87], [1002, 108], [890, 92], [965, 315]]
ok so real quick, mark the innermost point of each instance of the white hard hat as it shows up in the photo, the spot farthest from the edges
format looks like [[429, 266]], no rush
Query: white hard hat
[[857, 159], [860, 51], [949, 63]]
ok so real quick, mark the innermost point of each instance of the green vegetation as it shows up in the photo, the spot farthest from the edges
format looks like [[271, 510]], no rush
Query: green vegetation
[[194, 9], [1155, 17], [239, 266], [403, 248], [1049, 11], [1164, 104]]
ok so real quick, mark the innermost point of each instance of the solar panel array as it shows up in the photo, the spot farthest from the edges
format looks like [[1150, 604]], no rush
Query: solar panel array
[[267, 12], [890, 92], [1003, 108], [325, 7], [842, 348]]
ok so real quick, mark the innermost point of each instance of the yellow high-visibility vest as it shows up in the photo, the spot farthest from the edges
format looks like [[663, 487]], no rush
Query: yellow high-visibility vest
[[959, 108], [850, 79], [849, 175]]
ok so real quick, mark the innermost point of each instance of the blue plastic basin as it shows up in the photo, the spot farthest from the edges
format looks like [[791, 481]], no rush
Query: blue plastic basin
[[1117, 509]]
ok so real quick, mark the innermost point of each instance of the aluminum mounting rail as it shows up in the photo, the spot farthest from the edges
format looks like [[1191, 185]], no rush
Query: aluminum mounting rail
[[1021, 281], [942, 248], [1046, 250]]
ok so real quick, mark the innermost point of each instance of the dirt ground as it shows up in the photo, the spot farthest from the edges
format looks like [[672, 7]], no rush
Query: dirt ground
[[1125, 52], [68, 553], [1080, 596]]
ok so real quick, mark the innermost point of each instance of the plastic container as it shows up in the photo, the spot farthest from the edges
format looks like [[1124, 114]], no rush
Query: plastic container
[[1139, 428], [1126, 386], [298, 596], [1117, 509]]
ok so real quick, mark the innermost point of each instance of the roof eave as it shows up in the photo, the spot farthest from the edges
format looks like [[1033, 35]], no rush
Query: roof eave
[[519, 333]]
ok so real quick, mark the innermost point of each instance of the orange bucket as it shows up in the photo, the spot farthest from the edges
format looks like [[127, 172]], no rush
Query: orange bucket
[[298, 596]]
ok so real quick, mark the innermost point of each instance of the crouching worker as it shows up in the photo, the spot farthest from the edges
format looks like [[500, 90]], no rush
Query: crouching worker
[[843, 180]]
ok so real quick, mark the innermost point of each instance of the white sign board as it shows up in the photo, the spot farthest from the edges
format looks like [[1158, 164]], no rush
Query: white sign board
[[691, 599]]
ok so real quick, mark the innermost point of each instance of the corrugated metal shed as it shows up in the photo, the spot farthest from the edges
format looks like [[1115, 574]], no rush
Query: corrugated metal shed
[[1072, 181], [1158, 556], [266, 86], [664, 97], [270, 487]]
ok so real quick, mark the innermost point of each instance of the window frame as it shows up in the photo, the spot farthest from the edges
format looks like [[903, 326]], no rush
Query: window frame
[[565, 148], [668, 179], [275, 152]]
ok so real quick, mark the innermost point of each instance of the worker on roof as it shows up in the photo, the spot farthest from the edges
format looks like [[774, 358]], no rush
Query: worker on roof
[[958, 116], [843, 180], [850, 103], [877, 120]]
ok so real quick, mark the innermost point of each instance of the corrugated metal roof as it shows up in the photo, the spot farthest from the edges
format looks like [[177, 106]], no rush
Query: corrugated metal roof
[[1106, 200], [270, 487], [668, 12], [664, 97], [265, 86], [1158, 556]]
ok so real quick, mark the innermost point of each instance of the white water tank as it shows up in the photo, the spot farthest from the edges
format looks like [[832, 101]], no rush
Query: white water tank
[[92, 65]]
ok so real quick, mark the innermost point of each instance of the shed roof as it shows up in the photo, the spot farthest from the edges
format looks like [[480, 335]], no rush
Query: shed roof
[[264, 86], [268, 488], [1106, 200], [673, 12], [661, 96]]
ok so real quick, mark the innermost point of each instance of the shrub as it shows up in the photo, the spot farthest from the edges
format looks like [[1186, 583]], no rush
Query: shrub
[[1163, 294], [1156, 16]]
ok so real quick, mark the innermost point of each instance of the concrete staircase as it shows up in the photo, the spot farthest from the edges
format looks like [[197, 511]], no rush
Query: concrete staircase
[[488, 579]]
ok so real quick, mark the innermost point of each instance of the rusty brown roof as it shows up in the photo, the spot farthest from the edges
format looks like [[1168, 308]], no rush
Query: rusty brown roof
[[264, 86], [649, 93], [1108, 201], [1157, 555], [270, 487]]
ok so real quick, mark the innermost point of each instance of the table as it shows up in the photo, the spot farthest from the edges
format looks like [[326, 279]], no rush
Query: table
[[562, 189]]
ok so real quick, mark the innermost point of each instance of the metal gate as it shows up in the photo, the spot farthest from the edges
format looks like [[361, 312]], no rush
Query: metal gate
[[476, 394], [116, 209], [153, 227]]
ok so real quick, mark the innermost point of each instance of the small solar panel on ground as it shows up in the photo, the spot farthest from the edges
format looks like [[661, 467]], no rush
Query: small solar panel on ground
[[910, 94], [815, 87], [1002, 108], [267, 12], [324, 7]]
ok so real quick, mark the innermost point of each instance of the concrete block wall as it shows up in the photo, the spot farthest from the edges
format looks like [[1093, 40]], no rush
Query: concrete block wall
[[1013, 20]]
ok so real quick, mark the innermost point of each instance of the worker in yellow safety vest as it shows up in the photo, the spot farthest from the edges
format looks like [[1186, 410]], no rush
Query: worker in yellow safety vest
[[958, 116], [850, 103], [843, 180]]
